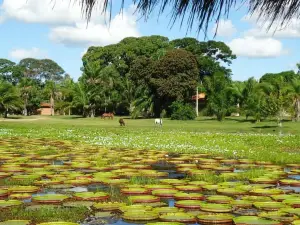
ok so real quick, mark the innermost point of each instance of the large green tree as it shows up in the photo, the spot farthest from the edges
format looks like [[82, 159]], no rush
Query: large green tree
[[9, 98]]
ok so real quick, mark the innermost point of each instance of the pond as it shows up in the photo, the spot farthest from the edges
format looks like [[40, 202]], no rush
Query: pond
[[92, 185]]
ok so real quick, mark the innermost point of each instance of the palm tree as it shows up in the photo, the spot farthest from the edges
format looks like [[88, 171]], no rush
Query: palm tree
[[293, 91], [52, 91], [9, 98], [81, 98], [203, 11]]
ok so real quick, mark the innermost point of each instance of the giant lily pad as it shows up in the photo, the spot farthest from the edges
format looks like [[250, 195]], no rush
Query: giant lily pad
[[294, 202], [266, 192], [188, 204], [162, 210], [9, 203], [178, 217], [108, 206], [91, 196], [21, 196], [290, 182], [165, 193], [269, 206], [188, 196], [140, 215], [190, 188], [217, 208], [232, 191], [135, 208], [215, 219], [58, 223], [286, 218], [219, 199], [296, 222], [254, 220], [23, 189], [144, 199], [50, 198], [3, 193], [135, 191], [165, 223], [15, 222]]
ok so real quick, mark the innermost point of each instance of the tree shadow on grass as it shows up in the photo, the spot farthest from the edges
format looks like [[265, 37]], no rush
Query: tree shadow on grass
[[265, 127]]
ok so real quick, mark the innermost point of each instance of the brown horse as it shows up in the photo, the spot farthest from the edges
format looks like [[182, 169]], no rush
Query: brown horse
[[107, 115], [122, 122]]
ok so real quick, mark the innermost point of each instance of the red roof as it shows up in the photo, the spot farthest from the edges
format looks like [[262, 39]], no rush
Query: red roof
[[46, 105]]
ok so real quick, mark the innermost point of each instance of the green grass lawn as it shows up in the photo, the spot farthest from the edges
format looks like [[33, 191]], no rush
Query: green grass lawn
[[232, 138]]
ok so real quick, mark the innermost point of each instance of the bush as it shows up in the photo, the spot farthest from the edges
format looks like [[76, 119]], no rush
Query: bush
[[181, 111]]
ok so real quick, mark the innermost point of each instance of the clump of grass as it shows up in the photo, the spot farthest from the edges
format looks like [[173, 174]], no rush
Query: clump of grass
[[250, 174], [45, 214], [47, 151], [208, 177], [11, 182], [143, 180]]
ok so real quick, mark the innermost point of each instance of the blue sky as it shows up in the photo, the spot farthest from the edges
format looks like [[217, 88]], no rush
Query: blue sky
[[34, 28]]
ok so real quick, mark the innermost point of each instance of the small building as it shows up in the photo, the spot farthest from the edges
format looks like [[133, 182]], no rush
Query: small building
[[45, 109]]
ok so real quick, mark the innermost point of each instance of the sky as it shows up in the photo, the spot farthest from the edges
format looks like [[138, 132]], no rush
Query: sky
[[55, 29]]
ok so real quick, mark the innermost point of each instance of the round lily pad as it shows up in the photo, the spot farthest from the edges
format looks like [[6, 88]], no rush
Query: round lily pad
[[50, 198], [165, 223], [21, 196], [58, 223], [241, 204], [296, 222], [188, 204], [9, 203], [219, 199], [173, 181], [135, 208], [290, 182], [178, 217], [254, 220], [91, 196], [216, 208], [144, 199], [263, 180], [188, 196], [165, 193], [269, 206], [215, 218], [294, 202], [140, 215], [108, 206], [162, 210], [3, 193], [15, 222], [190, 188], [285, 218], [23, 189], [153, 187], [231, 191], [266, 192], [257, 198], [134, 191]]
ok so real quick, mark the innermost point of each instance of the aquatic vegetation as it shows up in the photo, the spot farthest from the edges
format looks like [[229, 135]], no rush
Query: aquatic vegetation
[[80, 182]]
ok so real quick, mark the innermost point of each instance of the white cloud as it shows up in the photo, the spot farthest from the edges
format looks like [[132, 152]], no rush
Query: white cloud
[[257, 47], [262, 28], [45, 11], [120, 27], [225, 28], [67, 26], [20, 53]]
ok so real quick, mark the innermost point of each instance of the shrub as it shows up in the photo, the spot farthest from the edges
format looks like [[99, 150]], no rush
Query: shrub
[[181, 111]]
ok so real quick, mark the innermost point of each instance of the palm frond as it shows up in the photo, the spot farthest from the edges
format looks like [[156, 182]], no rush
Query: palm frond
[[202, 12]]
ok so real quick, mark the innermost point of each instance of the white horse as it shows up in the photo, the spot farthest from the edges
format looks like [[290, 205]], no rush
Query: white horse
[[158, 122]]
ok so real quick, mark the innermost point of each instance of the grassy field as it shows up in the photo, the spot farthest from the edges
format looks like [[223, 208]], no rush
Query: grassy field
[[233, 138]]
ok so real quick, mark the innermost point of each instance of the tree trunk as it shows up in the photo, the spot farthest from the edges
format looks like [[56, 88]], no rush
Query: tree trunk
[[70, 111], [297, 109], [25, 112], [6, 113], [52, 105]]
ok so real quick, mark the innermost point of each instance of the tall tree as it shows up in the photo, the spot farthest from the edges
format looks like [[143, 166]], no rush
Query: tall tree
[[9, 98]]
